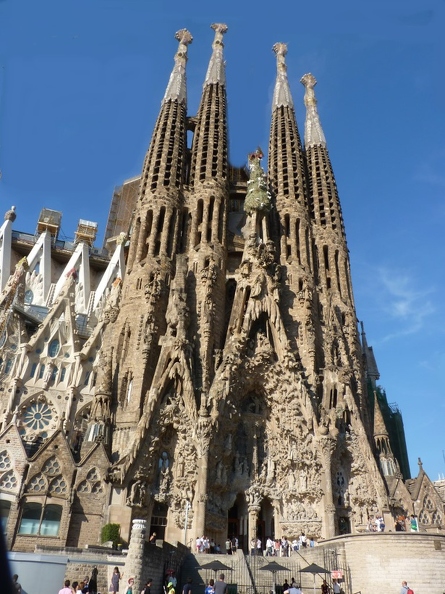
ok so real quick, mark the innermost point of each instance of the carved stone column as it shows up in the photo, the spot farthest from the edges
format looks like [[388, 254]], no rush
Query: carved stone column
[[328, 446], [200, 501], [135, 558], [254, 512]]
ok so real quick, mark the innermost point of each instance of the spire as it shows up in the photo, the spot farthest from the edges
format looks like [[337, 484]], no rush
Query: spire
[[372, 371], [379, 424], [388, 462], [216, 71], [164, 163], [313, 134], [210, 145], [286, 162], [176, 88], [281, 94]]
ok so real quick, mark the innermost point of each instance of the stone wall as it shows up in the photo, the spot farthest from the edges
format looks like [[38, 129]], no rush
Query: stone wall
[[378, 562]]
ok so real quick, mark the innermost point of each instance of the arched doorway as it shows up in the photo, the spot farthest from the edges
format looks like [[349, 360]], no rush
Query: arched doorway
[[238, 522], [265, 522]]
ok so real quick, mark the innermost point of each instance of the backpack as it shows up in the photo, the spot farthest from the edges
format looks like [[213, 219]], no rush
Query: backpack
[[410, 591]]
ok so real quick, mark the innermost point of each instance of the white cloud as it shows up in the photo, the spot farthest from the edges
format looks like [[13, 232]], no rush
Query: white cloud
[[401, 300]]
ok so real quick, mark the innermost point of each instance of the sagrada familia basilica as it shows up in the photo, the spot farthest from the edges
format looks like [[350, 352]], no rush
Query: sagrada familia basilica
[[205, 370]]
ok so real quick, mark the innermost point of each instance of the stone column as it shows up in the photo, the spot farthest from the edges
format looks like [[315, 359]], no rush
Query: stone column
[[328, 447], [200, 501], [254, 511], [135, 558]]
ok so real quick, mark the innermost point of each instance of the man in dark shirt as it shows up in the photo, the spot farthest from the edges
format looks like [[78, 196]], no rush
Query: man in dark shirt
[[221, 586], [187, 589], [148, 586]]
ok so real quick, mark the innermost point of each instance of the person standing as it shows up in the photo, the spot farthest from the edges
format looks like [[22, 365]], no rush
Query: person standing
[[258, 547], [228, 546], [187, 589], [253, 546], [115, 579], [336, 587], [324, 587], [221, 587], [405, 588], [67, 588], [210, 588], [148, 585], [292, 589], [17, 586], [92, 582]]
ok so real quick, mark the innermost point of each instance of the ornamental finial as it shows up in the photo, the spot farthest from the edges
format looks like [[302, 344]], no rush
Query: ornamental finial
[[309, 81], [176, 88], [184, 37], [280, 50], [313, 133], [10, 215], [281, 96], [216, 71], [220, 29]]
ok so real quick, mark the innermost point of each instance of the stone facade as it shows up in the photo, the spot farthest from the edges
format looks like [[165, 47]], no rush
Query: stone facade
[[208, 376]]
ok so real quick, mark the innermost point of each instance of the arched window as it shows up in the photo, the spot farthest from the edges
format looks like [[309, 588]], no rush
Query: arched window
[[53, 348], [30, 518], [51, 520], [5, 507], [38, 519]]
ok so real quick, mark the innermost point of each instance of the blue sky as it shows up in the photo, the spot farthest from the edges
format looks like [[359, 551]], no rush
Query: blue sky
[[81, 85]]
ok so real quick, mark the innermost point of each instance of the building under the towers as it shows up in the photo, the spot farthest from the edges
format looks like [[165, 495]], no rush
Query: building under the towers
[[204, 370]]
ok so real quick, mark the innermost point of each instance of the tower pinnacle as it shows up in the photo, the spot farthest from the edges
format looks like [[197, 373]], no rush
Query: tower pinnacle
[[313, 134], [281, 95], [216, 70], [176, 88]]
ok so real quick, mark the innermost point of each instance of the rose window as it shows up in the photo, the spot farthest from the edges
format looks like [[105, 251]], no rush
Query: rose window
[[37, 418], [5, 460]]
